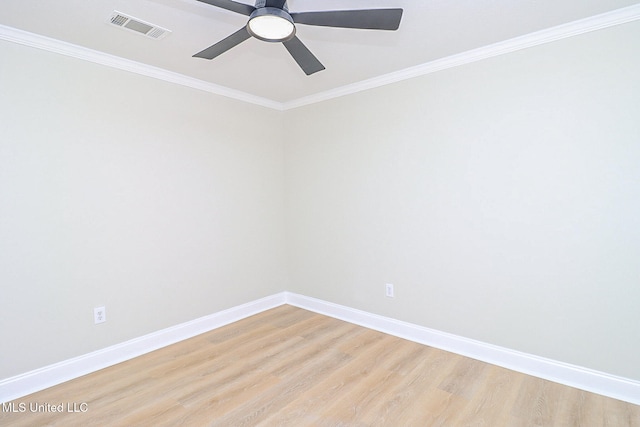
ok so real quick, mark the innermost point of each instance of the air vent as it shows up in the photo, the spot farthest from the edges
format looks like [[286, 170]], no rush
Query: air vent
[[139, 26]]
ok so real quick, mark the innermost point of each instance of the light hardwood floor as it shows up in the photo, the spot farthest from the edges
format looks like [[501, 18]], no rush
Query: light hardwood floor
[[291, 367]]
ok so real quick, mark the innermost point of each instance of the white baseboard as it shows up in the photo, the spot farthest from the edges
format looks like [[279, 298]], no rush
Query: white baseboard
[[48, 376], [574, 376], [563, 373]]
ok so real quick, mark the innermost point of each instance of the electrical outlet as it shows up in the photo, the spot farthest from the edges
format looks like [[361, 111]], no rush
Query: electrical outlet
[[99, 315], [389, 290]]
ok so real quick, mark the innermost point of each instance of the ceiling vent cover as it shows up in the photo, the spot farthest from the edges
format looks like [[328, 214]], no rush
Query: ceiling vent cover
[[139, 26]]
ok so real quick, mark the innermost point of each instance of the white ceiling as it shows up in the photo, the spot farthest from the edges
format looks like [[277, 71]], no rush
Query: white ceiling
[[430, 30]]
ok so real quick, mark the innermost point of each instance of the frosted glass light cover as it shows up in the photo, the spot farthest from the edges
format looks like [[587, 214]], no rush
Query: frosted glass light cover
[[271, 28]]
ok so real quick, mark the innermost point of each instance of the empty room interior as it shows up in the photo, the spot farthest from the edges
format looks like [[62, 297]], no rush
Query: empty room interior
[[460, 207]]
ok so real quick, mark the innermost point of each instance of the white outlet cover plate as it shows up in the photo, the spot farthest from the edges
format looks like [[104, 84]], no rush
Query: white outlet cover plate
[[389, 290], [99, 315]]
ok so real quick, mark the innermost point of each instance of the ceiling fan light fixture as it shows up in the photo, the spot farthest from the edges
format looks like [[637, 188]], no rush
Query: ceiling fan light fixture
[[271, 24]]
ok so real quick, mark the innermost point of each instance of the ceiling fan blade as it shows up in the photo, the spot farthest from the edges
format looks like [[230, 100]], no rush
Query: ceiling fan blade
[[370, 19], [276, 3], [233, 6], [303, 56], [224, 45]]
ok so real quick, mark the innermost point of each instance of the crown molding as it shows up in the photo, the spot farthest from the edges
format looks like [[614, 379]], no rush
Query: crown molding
[[68, 49], [594, 23]]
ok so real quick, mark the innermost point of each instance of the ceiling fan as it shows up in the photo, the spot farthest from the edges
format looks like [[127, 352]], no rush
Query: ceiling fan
[[271, 21]]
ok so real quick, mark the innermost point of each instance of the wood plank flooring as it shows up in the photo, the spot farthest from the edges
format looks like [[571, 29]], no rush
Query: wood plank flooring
[[291, 367]]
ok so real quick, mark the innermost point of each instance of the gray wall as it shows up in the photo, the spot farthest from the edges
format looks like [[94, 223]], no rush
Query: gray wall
[[155, 200], [501, 198]]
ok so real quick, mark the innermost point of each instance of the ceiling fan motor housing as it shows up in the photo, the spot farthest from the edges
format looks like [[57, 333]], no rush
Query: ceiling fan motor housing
[[263, 3]]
